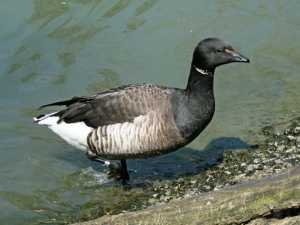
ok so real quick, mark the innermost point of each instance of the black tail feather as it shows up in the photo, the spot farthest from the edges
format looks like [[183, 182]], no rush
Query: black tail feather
[[66, 102]]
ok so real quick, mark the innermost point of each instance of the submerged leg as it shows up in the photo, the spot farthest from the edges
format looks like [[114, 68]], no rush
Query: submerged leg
[[95, 158], [124, 172], [116, 170]]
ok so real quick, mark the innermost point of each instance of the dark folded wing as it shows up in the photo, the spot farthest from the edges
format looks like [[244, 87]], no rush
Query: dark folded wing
[[113, 106]]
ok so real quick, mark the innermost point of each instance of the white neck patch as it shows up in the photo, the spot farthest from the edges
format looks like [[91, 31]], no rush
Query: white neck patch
[[204, 72]]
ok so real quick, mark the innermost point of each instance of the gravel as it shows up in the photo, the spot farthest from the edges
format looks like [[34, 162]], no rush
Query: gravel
[[279, 152]]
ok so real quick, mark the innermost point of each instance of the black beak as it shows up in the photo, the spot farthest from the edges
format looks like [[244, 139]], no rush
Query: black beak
[[237, 57]]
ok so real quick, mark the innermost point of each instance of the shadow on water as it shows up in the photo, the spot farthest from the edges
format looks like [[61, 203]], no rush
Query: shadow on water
[[186, 161]]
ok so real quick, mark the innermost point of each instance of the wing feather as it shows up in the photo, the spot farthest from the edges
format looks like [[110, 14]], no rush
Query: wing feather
[[118, 105]]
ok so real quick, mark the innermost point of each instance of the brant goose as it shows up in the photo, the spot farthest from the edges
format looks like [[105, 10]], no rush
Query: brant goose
[[139, 121]]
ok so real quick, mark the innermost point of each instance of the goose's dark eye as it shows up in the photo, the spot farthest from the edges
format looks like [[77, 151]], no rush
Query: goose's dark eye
[[219, 50]]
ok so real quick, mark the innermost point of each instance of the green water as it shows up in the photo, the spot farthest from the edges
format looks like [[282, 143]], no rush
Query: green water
[[55, 49]]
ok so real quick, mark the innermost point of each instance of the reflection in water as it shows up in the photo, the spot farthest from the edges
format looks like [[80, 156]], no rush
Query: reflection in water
[[66, 58], [138, 20], [144, 7], [117, 8], [44, 11], [60, 79], [109, 79], [29, 77], [14, 67], [134, 23], [64, 29]]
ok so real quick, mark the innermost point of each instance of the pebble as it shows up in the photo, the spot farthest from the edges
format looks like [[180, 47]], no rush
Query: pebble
[[155, 195], [250, 168], [278, 161], [291, 138], [256, 161], [280, 148], [193, 181]]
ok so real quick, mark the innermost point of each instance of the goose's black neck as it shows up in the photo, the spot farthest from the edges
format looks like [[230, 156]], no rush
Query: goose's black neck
[[195, 108], [200, 81]]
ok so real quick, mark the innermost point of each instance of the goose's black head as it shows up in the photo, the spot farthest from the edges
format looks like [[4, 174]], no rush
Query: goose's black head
[[213, 52]]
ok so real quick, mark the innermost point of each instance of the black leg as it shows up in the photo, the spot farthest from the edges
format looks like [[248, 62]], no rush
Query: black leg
[[95, 158], [124, 172], [116, 171]]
